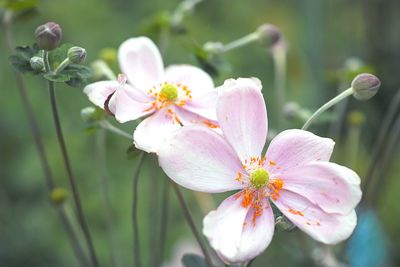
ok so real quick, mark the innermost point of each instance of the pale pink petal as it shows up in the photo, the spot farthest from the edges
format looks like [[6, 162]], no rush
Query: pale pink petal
[[189, 118], [204, 104], [292, 148], [128, 109], [140, 60], [151, 132], [328, 228], [334, 188], [232, 233], [196, 80], [99, 92], [242, 115], [200, 159]]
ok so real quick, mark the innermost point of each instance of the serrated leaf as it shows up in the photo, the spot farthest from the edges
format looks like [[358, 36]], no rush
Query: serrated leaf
[[79, 75], [132, 152], [57, 77], [21, 59], [192, 260]]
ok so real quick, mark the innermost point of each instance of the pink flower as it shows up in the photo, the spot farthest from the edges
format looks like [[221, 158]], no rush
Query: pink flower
[[318, 196], [178, 95]]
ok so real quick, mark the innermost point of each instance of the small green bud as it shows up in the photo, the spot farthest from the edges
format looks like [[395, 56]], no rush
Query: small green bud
[[76, 54], [365, 86], [268, 34], [58, 195], [48, 36], [356, 118], [37, 63]]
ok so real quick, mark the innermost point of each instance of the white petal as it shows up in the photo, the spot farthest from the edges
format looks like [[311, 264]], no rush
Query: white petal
[[328, 228], [200, 159], [197, 80], [232, 233], [151, 132], [141, 61], [99, 92], [334, 188], [128, 109], [292, 148], [242, 116]]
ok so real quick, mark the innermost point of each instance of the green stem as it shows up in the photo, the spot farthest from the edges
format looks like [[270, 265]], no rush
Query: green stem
[[67, 164], [163, 221], [48, 176], [326, 106], [109, 127], [279, 60], [63, 65], [135, 226], [245, 40], [192, 225]]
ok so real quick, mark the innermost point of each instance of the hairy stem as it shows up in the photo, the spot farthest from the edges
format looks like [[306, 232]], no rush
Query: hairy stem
[[190, 221], [67, 164]]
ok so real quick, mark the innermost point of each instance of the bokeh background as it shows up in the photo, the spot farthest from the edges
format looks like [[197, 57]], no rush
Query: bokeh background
[[328, 42]]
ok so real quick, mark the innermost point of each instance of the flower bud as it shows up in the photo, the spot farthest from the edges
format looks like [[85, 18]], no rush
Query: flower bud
[[58, 195], [76, 54], [365, 86], [268, 34], [37, 64], [48, 36]]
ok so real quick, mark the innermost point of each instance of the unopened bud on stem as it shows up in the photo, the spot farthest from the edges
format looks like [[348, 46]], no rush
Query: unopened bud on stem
[[365, 86], [37, 64], [268, 34], [77, 54], [48, 36]]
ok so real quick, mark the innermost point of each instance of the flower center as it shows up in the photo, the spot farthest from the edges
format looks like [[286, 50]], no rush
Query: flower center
[[259, 178], [169, 92]]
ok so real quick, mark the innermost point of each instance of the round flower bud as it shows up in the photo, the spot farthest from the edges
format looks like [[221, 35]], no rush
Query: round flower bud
[[48, 36], [37, 64], [268, 34], [365, 86], [76, 54], [58, 195]]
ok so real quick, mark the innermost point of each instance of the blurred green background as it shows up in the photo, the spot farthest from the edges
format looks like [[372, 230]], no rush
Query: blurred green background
[[321, 36]]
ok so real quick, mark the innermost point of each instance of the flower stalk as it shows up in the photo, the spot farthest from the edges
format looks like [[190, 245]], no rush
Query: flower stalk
[[67, 164]]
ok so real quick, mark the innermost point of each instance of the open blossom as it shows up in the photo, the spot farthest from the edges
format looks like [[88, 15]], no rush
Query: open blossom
[[171, 97], [318, 196]]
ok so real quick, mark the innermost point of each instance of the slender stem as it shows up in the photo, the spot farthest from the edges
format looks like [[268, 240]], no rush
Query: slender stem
[[353, 145], [190, 221], [62, 65], [105, 186], [48, 176], [109, 127], [327, 105], [250, 38], [163, 220], [182, 9], [135, 226], [71, 177]]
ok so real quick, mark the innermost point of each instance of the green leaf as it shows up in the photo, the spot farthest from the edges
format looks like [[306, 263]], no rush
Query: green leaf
[[132, 152], [59, 77], [192, 260], [58, 55], [21, 59], [79, 75]]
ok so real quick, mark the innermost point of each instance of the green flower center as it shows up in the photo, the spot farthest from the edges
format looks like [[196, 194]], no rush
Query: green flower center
[[259, 178], [169, 92]]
